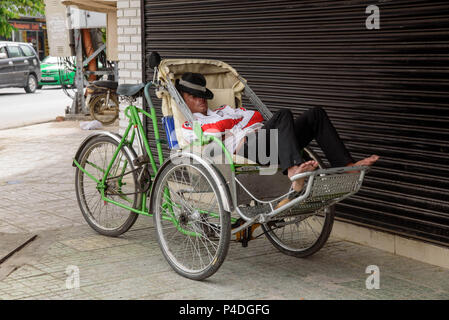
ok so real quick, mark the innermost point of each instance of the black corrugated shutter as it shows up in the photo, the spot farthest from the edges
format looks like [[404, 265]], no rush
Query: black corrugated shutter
[[386, 90]]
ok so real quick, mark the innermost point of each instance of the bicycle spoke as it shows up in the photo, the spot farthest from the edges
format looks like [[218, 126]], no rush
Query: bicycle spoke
[[192, 240], [103, 214]]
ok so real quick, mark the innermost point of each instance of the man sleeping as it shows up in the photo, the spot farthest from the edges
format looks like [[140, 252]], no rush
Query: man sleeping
[[234, 125]]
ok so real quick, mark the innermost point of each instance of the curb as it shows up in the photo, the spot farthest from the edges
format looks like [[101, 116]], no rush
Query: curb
[[67, 117], [27, 124], [393, 243]]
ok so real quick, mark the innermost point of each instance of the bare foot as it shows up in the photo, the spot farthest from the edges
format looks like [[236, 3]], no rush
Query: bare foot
[[297, 185], [365, 162]]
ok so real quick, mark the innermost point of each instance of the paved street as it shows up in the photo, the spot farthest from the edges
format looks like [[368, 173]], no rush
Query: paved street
[[39, 211], [18, 108]]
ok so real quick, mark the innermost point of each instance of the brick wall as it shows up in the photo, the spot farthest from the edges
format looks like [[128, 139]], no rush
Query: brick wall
[[129, 48]]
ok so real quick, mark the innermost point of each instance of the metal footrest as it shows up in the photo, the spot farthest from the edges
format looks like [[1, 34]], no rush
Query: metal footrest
[[323, 188], [327, 186]]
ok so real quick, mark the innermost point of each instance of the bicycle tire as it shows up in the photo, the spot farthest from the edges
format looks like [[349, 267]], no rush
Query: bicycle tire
[[84, 184], [203, 229], [286, 242], [97, 109]]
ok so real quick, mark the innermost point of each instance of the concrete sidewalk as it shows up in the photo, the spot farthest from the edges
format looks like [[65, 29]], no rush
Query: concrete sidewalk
[[38, 198]]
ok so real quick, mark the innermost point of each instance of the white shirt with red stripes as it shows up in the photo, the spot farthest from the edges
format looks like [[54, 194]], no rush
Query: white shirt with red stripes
[[238, 121]]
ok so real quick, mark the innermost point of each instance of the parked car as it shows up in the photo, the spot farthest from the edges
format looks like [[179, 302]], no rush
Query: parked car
[[19, 66], [54, 72], [59, 71]]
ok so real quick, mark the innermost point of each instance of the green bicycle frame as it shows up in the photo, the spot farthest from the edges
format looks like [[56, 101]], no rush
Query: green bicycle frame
[[135, 124]]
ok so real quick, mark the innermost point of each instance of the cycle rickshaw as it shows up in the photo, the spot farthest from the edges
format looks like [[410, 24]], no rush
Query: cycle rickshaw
[[199, 200]]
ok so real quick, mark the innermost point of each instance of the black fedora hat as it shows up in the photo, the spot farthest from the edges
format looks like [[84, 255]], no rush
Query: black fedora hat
[[195, 84]]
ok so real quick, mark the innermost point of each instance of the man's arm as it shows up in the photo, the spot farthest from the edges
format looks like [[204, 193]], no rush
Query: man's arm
[[249, 117], [189, 135]]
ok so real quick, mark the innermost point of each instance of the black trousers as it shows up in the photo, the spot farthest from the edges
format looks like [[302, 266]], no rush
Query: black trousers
[[294, 135]]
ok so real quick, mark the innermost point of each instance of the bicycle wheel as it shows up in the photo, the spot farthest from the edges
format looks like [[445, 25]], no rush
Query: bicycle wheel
[[106, 114], [301, 235], [104, 217], [193, 228]]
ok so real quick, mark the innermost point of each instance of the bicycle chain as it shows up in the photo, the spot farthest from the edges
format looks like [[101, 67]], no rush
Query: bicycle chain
[[142, 190]]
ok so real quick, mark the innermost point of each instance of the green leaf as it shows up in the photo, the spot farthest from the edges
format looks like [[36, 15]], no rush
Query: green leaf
[[13, 9]]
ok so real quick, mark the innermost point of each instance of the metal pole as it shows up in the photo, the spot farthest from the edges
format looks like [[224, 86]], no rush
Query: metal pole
[[78, 102], [94, 54], [116, 71], [37, 43]]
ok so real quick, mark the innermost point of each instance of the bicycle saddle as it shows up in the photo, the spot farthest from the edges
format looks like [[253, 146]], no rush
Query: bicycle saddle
[[106, 84], [129, 89]]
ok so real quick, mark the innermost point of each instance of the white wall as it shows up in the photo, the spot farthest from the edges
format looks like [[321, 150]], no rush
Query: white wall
[[129, 48]]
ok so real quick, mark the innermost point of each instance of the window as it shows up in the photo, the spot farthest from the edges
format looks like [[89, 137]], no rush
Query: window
[[27, 50], [3, 50], [14, 52]]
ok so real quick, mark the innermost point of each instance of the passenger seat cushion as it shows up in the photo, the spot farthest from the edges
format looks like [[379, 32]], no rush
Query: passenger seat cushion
[[222, 97]]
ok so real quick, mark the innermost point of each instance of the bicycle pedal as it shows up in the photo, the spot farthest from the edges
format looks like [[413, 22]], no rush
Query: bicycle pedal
[[245, 235]]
